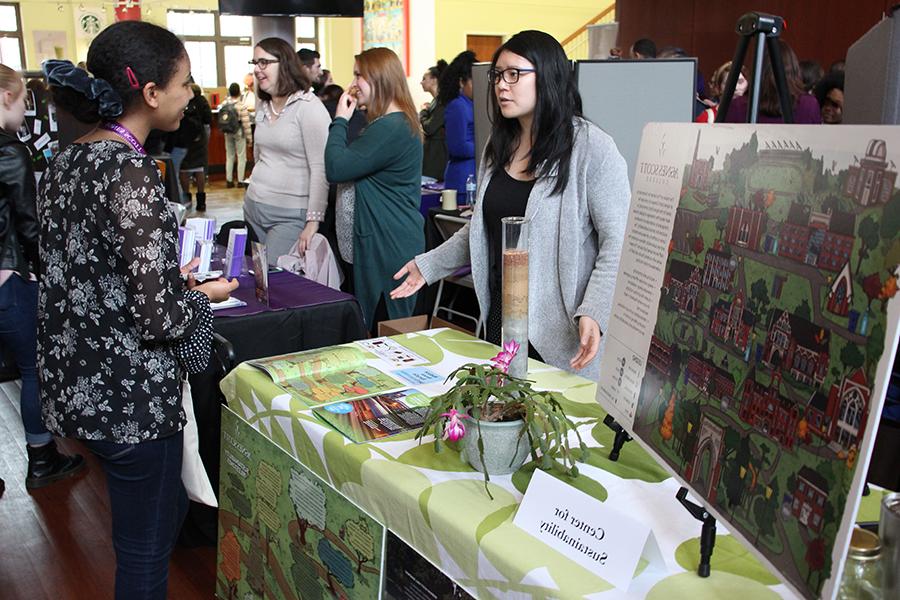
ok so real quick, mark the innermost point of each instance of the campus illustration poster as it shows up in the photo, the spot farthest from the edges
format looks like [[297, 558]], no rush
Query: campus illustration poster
[[754, 325], [284, 533]]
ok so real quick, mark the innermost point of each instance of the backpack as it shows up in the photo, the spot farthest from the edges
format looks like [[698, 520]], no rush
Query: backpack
[[229, 119]]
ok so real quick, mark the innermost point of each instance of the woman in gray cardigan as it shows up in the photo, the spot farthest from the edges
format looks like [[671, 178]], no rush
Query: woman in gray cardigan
[[564, 174]]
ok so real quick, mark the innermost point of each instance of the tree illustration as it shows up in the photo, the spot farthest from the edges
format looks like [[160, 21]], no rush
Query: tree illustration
[[338, 565], [875, 343], [305, 576], [868, 236], [665, 430], [872, 287], [890, 218], [815, 557], [356, 534], [238, 497], [230, 549], [308, 499], [803, 310], [722, 222], [759, 293], [803, 431], [851, 357]]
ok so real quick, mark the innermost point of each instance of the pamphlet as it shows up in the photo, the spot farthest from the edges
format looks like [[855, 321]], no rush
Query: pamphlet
[[376, 417], [261, 272], [326, 375]]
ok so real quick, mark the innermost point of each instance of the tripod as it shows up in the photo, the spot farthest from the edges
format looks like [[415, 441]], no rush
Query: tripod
[[766, 29]]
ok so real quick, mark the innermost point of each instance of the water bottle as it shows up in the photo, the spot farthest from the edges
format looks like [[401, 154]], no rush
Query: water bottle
[[470, 190]]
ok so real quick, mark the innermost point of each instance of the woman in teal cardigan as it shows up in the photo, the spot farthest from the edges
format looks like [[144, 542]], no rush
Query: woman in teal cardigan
[[385, 165]]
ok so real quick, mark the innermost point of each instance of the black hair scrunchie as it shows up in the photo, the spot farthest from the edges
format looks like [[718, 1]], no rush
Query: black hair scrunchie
[[64, 73]]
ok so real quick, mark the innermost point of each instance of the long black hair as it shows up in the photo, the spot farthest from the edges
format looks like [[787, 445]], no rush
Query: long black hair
[[459, 70], [122, 51], [558, 103]]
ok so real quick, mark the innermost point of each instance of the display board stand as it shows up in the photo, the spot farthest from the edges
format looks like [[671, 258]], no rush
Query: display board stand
[[620, 439], [707, 533]]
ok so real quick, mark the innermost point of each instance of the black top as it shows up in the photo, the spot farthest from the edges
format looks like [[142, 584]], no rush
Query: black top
[[116, 325], [504, 197], [18, 212]]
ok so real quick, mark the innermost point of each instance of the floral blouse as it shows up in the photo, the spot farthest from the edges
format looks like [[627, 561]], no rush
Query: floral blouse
[[117, 328]]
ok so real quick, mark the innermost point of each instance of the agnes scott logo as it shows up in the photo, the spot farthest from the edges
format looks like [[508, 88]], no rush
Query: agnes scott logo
[[659, 170]]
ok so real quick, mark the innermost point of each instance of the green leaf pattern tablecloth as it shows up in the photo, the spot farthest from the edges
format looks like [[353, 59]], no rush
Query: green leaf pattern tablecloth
[[437, 503]]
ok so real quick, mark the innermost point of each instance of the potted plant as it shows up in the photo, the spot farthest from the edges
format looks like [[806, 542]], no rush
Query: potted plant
[[501, 419]]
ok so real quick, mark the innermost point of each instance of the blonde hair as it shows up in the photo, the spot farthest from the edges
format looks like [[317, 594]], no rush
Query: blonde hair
[[10, 80], [382, 69]]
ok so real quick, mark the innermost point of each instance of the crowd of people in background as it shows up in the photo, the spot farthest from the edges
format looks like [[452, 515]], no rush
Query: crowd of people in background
[[816, 96], [318, 148]]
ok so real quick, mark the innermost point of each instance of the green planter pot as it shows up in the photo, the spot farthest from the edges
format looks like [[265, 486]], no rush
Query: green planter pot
[[504, 451]]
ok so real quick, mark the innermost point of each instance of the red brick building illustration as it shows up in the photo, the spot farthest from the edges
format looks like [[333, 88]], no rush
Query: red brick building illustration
[[824, 240], [682, 281], [810, 497], [797, 347], [765, 409], [745, 227], [731, 322], [709, 378]]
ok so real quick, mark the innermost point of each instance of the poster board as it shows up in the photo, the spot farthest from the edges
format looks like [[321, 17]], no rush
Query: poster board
[[481, 90], [621, 96], [285, 532], [754, 326]]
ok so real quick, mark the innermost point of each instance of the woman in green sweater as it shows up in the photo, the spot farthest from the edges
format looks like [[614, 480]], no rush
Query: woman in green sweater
[[385, 165]]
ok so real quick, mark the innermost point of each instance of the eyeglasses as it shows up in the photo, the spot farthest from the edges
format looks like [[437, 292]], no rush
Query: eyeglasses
[[262, 63], [510, 75]]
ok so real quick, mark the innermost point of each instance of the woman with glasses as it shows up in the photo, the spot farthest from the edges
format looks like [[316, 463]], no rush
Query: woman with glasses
[[545, 162], [385, 166], [455, 93], [288, 192]]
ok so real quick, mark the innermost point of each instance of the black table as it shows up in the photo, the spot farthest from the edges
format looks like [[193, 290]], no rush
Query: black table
[[267, 333]]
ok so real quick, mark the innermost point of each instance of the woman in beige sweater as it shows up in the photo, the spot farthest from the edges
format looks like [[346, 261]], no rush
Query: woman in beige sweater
[[288, 191]]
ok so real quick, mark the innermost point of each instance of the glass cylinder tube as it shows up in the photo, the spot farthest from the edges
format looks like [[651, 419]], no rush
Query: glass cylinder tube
[[515, 291]]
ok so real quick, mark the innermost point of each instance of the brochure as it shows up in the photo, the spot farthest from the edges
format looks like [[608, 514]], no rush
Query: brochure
[[376, 417], [326, 375]]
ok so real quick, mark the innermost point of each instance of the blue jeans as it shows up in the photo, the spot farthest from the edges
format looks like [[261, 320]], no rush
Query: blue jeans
[[177, 155], [148, 504], [18, 332]]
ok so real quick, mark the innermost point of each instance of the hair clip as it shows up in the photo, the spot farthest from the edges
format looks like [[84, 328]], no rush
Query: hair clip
[[132, 79]]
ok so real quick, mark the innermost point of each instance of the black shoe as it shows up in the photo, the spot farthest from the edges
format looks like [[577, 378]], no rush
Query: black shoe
[[201, 201], [46, 465], [2, 487], [243, 184], [229, 184]]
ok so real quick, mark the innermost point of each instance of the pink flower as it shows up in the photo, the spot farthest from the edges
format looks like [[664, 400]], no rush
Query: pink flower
[[502, 360], [455, 429]]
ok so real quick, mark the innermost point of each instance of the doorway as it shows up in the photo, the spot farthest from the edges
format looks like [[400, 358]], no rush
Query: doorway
[[483, 46]]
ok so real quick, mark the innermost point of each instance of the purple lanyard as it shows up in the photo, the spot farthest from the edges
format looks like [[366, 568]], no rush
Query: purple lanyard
[[125, 134]]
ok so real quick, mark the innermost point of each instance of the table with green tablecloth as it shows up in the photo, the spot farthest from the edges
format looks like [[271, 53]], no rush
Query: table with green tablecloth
[[437, 504]]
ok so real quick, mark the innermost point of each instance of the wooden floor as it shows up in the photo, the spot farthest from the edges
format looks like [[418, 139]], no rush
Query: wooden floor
[[55, 542]]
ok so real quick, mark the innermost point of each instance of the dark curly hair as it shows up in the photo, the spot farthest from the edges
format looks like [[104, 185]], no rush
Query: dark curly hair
[[459, 70], [151, 52], [437, 70], [291, 76]]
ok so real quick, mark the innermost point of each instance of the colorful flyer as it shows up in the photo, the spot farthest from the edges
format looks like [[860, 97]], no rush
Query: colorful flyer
[[376, 417]]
